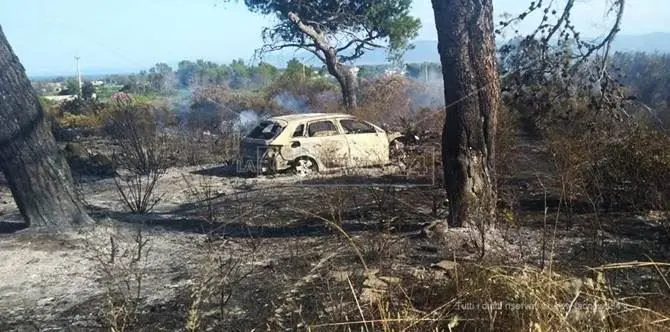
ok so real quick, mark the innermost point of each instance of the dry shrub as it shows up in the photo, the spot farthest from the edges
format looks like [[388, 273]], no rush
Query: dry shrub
[[632, 173], [75, 117], [506, 140], [143, 155], [612, 169], [69, 120], [222, 272], [133, 126], [215, 108], [121, 258], [384, 100], [207, 111]]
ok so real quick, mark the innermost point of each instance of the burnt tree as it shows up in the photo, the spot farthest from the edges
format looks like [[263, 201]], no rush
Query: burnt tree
[[472, 95], [338, 32], [38, 175]]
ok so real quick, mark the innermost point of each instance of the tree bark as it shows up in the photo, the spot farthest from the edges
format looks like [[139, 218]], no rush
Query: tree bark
[[348, 82], [466, 46], [345, 77], [38, 175]]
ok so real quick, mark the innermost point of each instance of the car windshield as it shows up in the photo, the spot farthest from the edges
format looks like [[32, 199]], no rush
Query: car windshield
[[266, 130]]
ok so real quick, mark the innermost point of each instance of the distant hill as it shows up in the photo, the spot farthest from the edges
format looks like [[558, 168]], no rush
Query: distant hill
[[426, 50], [649, 43]]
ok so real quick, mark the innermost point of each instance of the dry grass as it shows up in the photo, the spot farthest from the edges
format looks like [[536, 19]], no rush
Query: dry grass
[[471, 297]]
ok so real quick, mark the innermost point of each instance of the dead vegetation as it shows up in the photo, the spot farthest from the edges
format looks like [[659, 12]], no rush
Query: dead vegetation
[[577, 245]]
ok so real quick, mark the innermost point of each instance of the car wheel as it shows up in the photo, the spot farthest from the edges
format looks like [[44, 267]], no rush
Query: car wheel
[[305, 166]]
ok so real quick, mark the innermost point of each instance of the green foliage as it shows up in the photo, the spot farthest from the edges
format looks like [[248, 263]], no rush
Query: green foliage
[[71, 87], [162, 79], [361, 24], [296, 70], [87, 90], [237, 75], [293, 91], [266, 71]]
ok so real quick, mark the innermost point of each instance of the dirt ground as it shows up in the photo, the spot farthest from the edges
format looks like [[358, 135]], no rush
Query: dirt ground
[[267, 237]]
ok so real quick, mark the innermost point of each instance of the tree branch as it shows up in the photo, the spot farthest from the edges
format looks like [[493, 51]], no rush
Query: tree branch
[[318, 37], [365, 41], [312, 48]]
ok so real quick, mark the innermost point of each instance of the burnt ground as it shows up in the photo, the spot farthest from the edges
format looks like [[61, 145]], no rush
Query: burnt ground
[[272, 250]]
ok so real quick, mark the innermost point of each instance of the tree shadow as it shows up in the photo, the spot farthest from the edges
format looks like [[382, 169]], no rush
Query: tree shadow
[[226, 171], [303, 227], [9, 227], [552, 204], [362, 180]]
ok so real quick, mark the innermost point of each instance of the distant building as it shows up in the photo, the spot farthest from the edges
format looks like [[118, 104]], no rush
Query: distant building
[[97, 83]]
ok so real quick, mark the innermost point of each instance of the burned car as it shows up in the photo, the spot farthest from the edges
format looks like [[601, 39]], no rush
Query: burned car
[[313, 142]]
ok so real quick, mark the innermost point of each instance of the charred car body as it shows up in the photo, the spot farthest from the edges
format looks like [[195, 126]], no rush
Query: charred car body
[[312, 142]]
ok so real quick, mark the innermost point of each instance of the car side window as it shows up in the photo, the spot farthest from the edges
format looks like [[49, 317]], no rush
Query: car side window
[[351, 126], [321, 128], [299, 131]]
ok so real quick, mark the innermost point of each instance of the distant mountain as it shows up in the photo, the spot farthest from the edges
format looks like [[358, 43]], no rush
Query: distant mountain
[[426, 50], [649, 43]]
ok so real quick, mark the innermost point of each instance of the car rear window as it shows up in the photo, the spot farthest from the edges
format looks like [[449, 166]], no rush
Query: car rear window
[[266, 130], [356, 127]]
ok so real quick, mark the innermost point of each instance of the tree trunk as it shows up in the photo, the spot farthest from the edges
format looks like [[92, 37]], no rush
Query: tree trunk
[[472, 94], [37, 173], [348, 81]]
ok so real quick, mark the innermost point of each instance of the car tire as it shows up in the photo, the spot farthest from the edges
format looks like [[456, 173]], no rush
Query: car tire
[[305, 166]]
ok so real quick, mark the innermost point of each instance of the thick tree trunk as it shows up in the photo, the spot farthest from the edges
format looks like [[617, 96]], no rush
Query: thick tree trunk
[[348, 81], [37, 173], [472, 95]]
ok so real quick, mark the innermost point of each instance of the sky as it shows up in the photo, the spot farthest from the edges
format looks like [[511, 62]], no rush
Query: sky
[[129, 35]]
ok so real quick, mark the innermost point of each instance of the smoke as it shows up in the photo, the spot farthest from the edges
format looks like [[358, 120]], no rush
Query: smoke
[[426, 94], [246, 121], [291, 103]]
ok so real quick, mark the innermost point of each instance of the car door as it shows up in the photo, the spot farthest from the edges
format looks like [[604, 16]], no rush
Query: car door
[[368, 145], [324, 141]]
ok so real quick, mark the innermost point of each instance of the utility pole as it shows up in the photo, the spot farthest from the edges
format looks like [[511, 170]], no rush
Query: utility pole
[[76, 59]]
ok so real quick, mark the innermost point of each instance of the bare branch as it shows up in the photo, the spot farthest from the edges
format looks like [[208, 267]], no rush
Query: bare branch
[[564, 16], [364, 41], [312, 48]]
